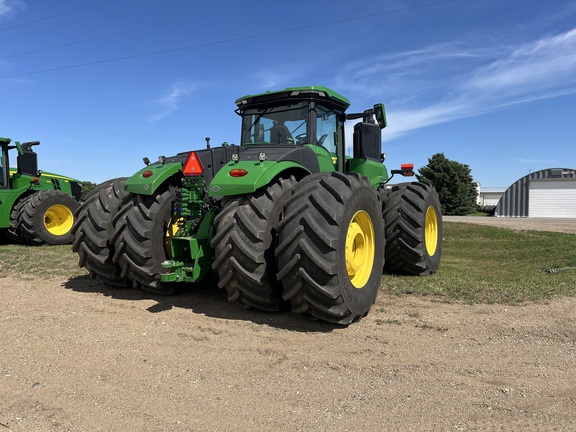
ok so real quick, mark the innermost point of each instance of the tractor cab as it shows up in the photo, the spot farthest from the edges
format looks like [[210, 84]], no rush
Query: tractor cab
[[311, 116], [296, 132]]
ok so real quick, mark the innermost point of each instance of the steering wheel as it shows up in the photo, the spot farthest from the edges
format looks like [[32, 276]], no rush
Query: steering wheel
[[300, 138], [322, 139]]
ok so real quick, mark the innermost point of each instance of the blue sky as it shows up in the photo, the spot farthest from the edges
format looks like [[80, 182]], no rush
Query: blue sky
[[101, 84]]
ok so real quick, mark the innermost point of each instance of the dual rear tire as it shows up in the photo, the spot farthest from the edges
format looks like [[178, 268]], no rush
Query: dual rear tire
[[120, 237], [315, 245], [414, 232]]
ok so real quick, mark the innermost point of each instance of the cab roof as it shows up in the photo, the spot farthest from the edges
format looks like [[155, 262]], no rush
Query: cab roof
[[323, 94]]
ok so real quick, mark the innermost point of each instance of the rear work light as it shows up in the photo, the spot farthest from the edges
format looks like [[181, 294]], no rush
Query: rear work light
[[238, 172], [192, 166]]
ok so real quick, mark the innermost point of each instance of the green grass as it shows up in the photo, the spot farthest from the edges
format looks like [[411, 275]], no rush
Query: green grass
[[480, 264], [40, 261]]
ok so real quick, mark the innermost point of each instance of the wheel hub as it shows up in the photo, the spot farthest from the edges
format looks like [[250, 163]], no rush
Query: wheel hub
[[360, 249], [58, 220], [172, 231], [431, 231]]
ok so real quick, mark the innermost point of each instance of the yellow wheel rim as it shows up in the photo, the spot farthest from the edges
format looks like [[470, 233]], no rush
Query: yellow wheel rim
[[431, 231], [172, 231], [360, 249], [58, 220]]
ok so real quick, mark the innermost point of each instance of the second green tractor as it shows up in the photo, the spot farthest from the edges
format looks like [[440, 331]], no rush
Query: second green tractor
[[286, 218], [36, 208]]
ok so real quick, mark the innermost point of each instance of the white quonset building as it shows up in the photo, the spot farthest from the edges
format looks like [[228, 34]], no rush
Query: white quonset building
[[489, 196], [546, 193]]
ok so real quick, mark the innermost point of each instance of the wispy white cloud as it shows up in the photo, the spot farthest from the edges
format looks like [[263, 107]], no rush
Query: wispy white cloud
[[269, 80], [170, 101], [417, 73], [9, 8], [446, 82], [536, 67]]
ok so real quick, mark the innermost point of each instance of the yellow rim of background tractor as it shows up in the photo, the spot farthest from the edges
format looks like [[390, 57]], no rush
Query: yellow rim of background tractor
[[360, 249], [171, 231], [431, 231], [58, 220]]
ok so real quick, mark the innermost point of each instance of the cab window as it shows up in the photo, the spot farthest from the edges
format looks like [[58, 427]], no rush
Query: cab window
[[330, 133], [276, 125], [326, 127], [4, 169]]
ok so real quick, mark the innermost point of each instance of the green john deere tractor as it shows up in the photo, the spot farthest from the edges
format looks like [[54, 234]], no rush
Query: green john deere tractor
[[36, 207], [284, 218]]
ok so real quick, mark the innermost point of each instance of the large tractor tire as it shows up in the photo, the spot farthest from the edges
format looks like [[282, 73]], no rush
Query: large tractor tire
[[413, 220], [47, 217], [329, 251], [244, 242], [14, 233], [142, 228], [93, 231]]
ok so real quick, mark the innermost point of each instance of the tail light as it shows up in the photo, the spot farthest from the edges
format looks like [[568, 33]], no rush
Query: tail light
[[407, 170], [238, 172]]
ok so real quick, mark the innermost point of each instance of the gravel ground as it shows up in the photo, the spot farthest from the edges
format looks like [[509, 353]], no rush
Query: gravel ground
[[79, 356]]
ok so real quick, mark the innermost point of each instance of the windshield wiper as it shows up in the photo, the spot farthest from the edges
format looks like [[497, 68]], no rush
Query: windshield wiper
[[266, 111]]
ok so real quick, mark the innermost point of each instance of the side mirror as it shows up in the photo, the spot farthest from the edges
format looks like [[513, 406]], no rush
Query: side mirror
[[380, 114]]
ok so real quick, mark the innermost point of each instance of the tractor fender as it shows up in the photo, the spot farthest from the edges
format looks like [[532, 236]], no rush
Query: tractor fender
[[256, 174], [151, 177]]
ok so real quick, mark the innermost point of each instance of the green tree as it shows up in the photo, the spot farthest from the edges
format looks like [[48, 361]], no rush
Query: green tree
[[453, 182], [87, 186]]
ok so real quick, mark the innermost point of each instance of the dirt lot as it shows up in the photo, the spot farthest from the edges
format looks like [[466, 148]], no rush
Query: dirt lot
[[79, 356], [538, 224]]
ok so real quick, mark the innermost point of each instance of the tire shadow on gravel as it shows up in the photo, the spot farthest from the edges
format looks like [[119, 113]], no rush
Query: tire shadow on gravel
[[206, 299]]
